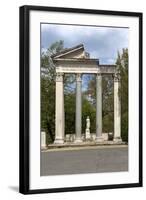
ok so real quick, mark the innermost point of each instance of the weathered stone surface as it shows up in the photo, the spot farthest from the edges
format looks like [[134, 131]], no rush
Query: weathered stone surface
[[117, 110], [78, 125], [99, 108], [69, 137], [73, 52], [43, 140], [105, 136], [59, 118], [83, 66]]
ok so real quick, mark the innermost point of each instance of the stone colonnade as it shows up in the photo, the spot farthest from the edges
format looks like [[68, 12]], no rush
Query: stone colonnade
[[59, 123]]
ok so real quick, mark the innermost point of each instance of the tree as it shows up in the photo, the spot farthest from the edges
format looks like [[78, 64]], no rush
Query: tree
[[107, 104], [56, 47], [70, 108], [48, 90], [122, 66]]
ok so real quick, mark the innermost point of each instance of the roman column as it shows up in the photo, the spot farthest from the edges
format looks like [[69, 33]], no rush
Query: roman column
[[59, 120], [99, 108], [117, 109], [78, 126]]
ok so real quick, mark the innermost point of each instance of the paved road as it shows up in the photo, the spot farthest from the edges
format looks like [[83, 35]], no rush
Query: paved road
[[95, 160]]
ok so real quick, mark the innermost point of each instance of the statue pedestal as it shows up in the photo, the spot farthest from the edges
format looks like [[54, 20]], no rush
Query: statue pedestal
[[87, 134]]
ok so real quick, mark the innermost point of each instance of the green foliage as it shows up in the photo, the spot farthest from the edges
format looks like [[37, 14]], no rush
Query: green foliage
[[56, 47], [48, 90], [107, 104], [122, 65], [48, 107], [124, 126], [69, 100]]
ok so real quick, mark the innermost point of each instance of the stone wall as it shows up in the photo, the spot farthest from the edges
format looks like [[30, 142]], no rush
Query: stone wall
[[105, 136]]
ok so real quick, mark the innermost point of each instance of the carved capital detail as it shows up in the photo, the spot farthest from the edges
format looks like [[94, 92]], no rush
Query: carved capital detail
[[117, 77], [78, 77], [99, 75], [59, 76]]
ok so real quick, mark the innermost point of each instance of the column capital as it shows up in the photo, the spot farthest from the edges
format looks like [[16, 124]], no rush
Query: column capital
[[59, 76], [78, 77], [117, 77], [98, 75]]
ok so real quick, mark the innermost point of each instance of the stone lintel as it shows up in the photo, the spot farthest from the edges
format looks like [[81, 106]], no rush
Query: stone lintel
[[84, 66]]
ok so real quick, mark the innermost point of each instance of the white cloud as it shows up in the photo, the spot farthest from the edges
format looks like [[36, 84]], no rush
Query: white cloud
[[102, 42]]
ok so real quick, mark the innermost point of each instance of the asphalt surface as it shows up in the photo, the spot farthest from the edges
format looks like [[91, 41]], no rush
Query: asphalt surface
[[113, 159]]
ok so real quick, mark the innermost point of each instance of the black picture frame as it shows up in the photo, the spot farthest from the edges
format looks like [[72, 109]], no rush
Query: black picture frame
[[25, 105]]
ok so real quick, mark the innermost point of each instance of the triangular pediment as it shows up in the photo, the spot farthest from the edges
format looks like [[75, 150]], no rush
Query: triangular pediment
[[74, 52]]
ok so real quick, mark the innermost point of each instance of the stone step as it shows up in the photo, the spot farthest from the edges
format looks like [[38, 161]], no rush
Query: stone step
[[84, 144]]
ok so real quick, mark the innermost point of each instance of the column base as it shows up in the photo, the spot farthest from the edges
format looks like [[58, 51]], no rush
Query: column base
[[58, 141], [99, 139], [44, 148], [117, 139], [78, 140], [88, 137]]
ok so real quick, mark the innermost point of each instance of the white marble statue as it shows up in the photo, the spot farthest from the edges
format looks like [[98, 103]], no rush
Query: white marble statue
[[88, 136], [88, 123]]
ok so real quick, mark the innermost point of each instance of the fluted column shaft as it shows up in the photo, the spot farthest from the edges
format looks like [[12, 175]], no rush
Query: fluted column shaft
[[78, 123], [99, 107], [59, 110], [117, 109]]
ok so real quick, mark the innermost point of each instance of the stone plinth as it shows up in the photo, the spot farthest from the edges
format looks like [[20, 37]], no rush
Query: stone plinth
[[43, 140]]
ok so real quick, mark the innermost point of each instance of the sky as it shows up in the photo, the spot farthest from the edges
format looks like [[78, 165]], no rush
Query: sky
[[100, 42]]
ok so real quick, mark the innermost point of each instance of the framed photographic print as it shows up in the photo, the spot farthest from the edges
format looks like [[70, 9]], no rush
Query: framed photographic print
[[80, 99]]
